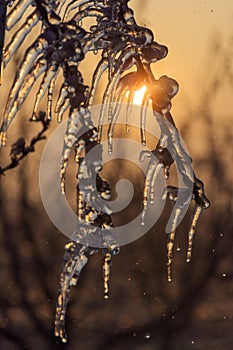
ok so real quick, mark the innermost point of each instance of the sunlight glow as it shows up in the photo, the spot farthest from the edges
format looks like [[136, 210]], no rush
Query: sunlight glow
[[138, 96]]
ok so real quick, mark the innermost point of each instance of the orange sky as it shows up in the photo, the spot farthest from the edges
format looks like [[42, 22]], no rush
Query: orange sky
[[187, 27]]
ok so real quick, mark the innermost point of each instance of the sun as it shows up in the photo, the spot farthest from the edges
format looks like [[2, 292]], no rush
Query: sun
[[138, 96]]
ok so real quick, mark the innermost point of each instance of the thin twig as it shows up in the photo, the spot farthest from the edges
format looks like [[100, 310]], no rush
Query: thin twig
[[20, 151]]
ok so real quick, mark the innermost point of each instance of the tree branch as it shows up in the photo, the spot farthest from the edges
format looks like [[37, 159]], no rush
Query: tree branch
[[19, 150]]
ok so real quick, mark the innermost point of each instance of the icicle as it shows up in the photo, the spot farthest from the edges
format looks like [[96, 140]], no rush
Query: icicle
[[111, 87], [20, 36], [62, 110], [144, 107], [17, 12], [50, 74], [77, 119], [129, 108], [64, 163], [116, 96], [122, 89], [9, 114], [194, 219], [114, 116], [182, 158], [201, 202], [149, 175], [63, 95], [70, 139], [112, 106], [50, 96], [105, 100], [170, 244], [62, 102], [87, 182], [80, 206], [112, 56], [3, 136], [159, 167], [74, 262], [25, 67], [118, 86], [79, 266], [30, 79], [100, 69], [106, 273]]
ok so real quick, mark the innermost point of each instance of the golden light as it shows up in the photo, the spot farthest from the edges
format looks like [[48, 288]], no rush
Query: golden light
[[138, 96]]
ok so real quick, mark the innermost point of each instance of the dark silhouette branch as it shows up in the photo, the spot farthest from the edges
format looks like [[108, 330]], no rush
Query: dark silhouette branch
[[19, 150]]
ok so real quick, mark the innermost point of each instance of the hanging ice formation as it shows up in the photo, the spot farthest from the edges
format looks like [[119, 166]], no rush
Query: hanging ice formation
[[61, 46]]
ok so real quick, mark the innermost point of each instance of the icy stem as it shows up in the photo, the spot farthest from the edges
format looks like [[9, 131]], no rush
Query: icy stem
[[74, 261], [106, 273]]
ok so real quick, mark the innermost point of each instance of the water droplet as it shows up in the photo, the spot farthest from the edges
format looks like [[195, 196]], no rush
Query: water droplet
[[147, 336]]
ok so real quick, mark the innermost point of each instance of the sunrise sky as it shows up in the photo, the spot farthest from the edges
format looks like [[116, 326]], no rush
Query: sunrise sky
[[188, 28]]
